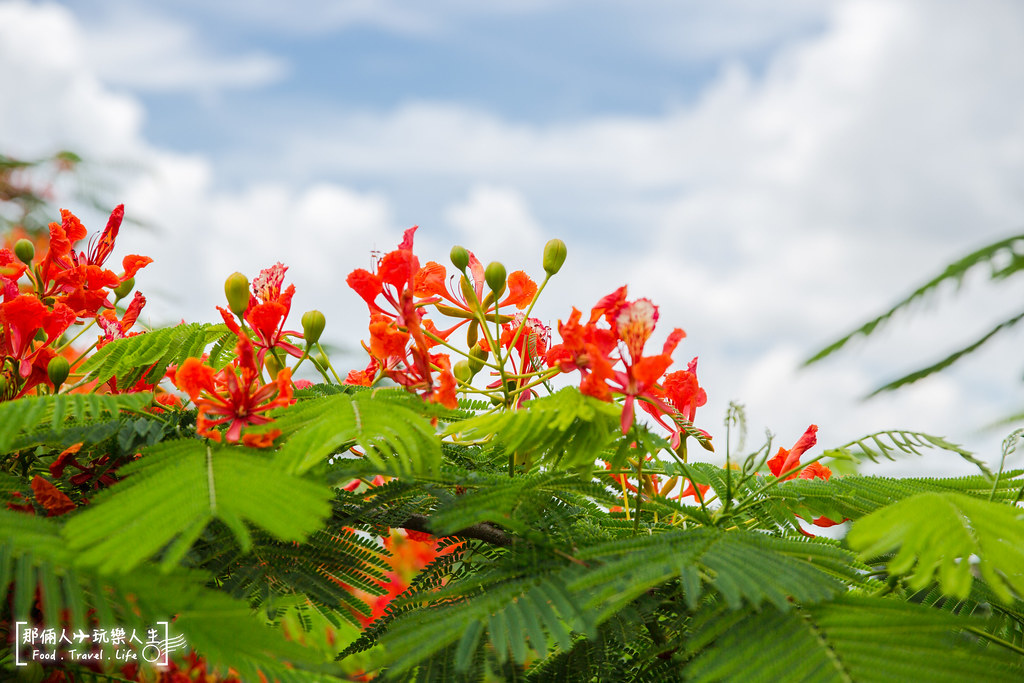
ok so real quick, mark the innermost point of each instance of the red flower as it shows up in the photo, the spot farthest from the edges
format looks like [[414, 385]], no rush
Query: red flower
[[432, 281], [50, 497], [267, 312], [234, 398], [79, 280], [784, 460], [596, 352], [22, 318], [118, 329], [399, 347]]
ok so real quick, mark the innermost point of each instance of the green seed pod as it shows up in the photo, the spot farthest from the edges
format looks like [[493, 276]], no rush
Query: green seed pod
[[236, 288], [125, 288], [477, 356], [313, 323], [554, 256], [462, 372], [58, 370], [468, 293], [25, 250], [460, 257], [495, 276]]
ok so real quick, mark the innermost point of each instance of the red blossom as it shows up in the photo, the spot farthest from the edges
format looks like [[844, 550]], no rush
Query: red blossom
[[399, 346], [234, 396], [611, 359], [267, 313], [784, 460]]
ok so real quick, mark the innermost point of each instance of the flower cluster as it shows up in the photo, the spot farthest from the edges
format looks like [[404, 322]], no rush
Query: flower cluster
[[401, 339], [66, 287], [612, 362], [236, 396]]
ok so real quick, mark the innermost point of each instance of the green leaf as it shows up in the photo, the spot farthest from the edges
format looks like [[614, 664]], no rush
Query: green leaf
[[173, 492], [954, 272], [393, 436], [64, 411], [148, 355], [942, 534], [743, 567], [853, 639], [567, 429]]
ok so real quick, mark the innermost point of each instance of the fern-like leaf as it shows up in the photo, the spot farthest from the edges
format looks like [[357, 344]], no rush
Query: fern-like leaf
[[939, 533], [173, 493], [852, 639], [955, 273], [885, 443], [24, 415], [386, 424], [567, 429], [148, 355]]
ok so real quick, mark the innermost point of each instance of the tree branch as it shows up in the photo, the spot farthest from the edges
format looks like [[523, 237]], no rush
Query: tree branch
[[484, 531]]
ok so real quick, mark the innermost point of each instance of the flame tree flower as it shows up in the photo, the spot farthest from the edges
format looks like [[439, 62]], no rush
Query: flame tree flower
[[611, 359], [233, 396], [267, 312], [399, 346], [79, 279]]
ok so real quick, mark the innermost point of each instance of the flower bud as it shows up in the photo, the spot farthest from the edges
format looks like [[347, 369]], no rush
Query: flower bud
[[236, 288], [495, 276], [460, 257], [125, 288], [313, 323], [25, 250], [554, 256], [477, 356], [273, 365], [462, 372], [472, 334], [58, 370]]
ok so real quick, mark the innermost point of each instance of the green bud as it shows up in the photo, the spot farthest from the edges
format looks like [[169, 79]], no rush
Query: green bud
[[125, 288], [25, 250], [460, 257], [472, 334], [58, 370], [273, 365], [313, 323], [495, 276], [236, 288], [462, 372], [554, 256], [477, 356]]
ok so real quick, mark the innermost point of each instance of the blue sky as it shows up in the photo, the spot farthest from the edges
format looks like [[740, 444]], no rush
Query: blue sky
[[768, 173]]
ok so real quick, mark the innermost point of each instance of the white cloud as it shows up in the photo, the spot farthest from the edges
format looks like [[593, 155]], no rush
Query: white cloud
[[147, 53], [496, 224]]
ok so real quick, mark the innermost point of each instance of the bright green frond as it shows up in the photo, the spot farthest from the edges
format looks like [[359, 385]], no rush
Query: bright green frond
[[148, 355], [567, 430], [854, 639], [392, 434], [946, 534], [177, 489]]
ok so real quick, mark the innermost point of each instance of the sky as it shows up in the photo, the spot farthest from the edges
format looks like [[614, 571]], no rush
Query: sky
[[769, 174]]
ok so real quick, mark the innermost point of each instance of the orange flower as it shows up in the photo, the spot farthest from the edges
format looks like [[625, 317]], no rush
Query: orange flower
[[50, 497], [784, 460], [596, 352], [399, 347], [267, 312], [234, 396]]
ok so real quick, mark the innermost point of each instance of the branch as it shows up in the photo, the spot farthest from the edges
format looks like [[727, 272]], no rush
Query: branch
[[483, 531]]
